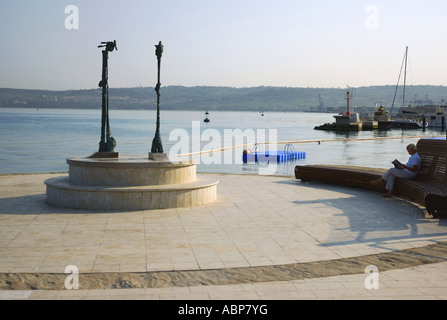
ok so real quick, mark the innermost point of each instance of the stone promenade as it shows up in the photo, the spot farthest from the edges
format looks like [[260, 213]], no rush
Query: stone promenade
[[264, 238]]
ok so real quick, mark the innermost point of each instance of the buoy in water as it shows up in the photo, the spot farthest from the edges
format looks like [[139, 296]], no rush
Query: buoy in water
[[207, 117]]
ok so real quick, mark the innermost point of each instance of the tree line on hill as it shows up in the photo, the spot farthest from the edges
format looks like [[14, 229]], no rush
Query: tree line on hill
[[227, 98]]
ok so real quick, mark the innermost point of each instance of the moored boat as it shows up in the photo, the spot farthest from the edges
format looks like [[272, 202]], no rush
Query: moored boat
[[382, 117], [438, 121]]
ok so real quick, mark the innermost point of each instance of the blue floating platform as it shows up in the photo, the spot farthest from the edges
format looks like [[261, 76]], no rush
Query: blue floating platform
[[273, 156]]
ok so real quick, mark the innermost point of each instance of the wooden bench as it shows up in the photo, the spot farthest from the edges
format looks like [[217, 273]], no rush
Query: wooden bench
[[431, 180]]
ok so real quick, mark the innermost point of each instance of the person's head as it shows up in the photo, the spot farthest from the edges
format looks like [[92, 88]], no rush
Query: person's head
[[412, 149]]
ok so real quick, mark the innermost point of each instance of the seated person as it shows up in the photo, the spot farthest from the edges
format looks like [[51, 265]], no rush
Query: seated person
[[405, 171]]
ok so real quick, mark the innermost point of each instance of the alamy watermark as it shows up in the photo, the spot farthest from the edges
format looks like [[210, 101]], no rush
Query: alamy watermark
[[72, 20], [372, 19], [72, 280], [221, 149], [372, 278]]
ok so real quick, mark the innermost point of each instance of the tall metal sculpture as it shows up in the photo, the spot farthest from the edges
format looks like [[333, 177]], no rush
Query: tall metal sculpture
[[107, 143], [157, 146]]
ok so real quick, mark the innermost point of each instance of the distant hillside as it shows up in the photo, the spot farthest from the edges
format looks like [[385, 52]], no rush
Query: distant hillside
[[224, 98]]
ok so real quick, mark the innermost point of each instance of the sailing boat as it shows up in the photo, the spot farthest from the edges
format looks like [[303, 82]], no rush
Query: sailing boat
[[401, 122]]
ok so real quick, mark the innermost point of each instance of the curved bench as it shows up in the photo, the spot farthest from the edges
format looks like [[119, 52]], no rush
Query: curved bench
[[429, 188]]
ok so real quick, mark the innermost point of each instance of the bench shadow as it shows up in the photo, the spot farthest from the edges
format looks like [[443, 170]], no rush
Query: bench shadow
[[371, 226]]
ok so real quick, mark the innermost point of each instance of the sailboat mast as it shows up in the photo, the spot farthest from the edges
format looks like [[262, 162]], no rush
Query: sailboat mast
[[405, 76]]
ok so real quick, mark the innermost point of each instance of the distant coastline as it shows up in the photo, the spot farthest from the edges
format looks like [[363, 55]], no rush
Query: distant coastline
[[280, 99]]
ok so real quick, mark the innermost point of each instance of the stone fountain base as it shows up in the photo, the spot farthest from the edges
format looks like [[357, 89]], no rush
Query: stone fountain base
[[129, 184]]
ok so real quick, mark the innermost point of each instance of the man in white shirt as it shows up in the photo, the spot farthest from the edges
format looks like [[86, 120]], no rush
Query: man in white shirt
[[405, 171]]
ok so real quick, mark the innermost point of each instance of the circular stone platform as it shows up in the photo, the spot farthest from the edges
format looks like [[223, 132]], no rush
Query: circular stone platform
[[129, 184], [128, 172]]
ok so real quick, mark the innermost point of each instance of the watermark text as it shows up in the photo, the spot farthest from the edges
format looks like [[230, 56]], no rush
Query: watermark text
[[372, 19], [372, 278], [221, 148], [72, 20], [72, 280]]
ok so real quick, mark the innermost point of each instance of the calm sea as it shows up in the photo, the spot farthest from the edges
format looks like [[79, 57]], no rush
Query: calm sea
[[34, 140]]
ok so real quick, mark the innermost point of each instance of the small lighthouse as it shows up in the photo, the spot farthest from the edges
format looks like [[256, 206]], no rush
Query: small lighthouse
[[347, 108]]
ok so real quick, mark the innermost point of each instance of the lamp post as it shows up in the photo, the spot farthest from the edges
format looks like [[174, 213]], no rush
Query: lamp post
[[107, 142], [157, 146]]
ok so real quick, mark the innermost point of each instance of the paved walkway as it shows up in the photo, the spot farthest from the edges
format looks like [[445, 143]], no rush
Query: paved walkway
[[265, 238]]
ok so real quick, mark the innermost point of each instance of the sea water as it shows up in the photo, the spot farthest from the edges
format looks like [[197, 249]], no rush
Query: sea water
[[40, 140]]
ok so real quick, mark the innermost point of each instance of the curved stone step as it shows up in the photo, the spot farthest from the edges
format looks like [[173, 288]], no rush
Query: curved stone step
[[61, 192]]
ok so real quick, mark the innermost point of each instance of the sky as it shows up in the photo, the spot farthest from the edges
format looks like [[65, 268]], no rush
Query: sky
[[233, 43]]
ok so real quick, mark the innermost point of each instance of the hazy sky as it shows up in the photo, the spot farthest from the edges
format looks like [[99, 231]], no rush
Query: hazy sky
[[236, 43]]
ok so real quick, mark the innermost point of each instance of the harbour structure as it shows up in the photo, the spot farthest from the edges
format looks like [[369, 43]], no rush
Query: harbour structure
[[348, 121]]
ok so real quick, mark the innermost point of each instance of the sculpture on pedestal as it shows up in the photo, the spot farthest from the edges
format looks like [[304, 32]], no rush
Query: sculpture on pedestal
[[157, 146], [132, 183], [107, 143]]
